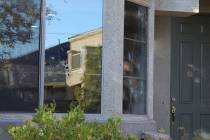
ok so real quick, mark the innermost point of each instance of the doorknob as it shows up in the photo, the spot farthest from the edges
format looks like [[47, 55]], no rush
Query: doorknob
[[173, 113], [173, 110]]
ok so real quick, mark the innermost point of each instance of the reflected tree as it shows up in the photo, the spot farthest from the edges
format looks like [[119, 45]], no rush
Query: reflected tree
[[17, 20], [88, 95]]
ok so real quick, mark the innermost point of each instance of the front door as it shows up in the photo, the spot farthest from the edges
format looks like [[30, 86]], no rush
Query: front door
[[190, 77]]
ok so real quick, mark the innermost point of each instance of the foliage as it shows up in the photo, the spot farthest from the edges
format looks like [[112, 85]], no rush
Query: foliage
[[88, 95], [197, 135], [201, 135], [16, 21], [46, 126]]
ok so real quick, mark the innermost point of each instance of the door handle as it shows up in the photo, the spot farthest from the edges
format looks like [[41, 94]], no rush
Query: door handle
[[173, 113], [173, 110]]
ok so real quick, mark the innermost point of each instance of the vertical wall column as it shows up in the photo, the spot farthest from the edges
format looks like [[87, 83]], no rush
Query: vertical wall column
[[162, 72], [112, 57], [150, 82]]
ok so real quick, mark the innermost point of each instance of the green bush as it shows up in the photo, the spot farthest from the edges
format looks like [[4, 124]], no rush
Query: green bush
[[46, 126]]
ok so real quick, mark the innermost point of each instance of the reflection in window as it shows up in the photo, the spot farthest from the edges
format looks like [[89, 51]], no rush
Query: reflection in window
[[75, 60], [73, 54], [135, 62], [19, 54]]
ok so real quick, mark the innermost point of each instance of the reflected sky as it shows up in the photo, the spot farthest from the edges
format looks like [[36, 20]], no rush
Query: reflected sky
[[72, 17], [19, 49]]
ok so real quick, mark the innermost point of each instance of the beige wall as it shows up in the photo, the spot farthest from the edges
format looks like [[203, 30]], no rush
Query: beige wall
[[79, 43]]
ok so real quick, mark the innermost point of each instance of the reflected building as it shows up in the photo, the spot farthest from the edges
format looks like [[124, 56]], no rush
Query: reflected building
[[55, 76], [19, 82], [65, 66], [81, 45], [19, 74]]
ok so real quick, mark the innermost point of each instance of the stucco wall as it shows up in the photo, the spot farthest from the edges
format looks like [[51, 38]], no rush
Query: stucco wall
[[191, 6], [162, 72]]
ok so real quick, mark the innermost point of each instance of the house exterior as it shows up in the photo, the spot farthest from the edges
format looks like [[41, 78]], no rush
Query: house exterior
[[80, 46], [155, 67]]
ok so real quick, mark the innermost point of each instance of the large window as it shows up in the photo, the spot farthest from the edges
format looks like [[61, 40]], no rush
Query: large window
[[19, 54], [135, 59], [72, 64], [72, 71]]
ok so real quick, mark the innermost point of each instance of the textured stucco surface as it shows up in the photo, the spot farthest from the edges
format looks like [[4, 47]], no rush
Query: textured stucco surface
[[190, 6], [112, 57], [137, 128], [162, 72]]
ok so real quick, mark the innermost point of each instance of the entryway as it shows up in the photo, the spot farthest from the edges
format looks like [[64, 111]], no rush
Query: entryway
[[190, 77]]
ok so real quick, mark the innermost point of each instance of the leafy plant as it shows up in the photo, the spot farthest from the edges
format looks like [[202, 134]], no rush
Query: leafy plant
[[197, 135], [46, 126], [88, 95]]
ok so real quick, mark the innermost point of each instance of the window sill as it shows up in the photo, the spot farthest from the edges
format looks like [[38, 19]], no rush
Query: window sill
[[21, 117]]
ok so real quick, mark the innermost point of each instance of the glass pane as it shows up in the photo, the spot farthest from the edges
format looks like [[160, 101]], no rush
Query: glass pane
[[75, 63], [135, 59], [135, 22], [134, 101], [19, 54], [73, 69]]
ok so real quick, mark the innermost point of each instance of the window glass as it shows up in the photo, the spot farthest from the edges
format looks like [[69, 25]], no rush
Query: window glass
[[72, 72], [75, 63], [135, 59], [19, 54]]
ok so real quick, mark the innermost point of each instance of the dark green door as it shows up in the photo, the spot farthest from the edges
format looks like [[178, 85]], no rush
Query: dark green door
[[190, 77]]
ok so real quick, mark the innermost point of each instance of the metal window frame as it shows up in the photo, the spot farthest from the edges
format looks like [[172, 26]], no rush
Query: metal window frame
[[42, 52]]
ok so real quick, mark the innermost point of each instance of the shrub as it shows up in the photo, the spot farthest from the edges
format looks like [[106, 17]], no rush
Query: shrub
[[46, 126]]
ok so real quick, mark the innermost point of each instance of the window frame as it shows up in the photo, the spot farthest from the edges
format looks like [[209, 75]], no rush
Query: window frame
[[42, 52], [72, 56], [145, 4]]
